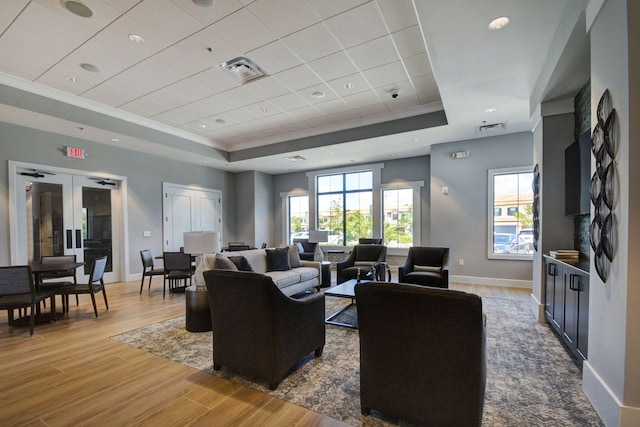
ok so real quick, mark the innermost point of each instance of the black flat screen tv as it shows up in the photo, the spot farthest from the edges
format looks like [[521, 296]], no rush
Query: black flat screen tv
[[577, 178]]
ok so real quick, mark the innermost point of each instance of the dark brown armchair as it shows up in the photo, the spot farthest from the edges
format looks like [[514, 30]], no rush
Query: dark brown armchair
[[259, 331], [422, 353], [426, 266], [309, 249], [366, 258]]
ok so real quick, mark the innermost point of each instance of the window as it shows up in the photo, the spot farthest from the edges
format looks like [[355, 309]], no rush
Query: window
[[509, 236], [345, 206], [397, 221], [298, 220]]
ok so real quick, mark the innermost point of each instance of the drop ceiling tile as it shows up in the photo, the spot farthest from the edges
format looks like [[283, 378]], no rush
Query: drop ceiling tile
[[173, 118], [180, 61], [418, 65], [313, 42], [358, 25], [8, 12], [108, 94], [243, 30], [274, 57], [333, 66], [119, 32], [290, 101], [332, 107], [267, 88], [121, 5], [169, 20], [356, 81], [409, 41], [152, 73], [386, 74], [20, 63], [58, 77], [214, 80], [298, 78], [304, 113], [374, 53], [144, 107], [343, 116], [307, 93], [362, 99], [298, 15], [110, 52], [426, 83], [179, 93], [207, 46], [58, 27], [403, 103], [264, 109], [24, 40], [328, 8], [240, 97], [398, 14], [404, 88], [77, 57], [372, 110], [208, 16], [103, 13], [429, 97], [318, 122]]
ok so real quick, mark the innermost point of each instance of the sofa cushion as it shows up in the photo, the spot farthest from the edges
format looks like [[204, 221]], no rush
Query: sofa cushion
[[294, 257], [283, 279], [278, 259], [427, 268], [241, 262], [307, 273], [223, 263]]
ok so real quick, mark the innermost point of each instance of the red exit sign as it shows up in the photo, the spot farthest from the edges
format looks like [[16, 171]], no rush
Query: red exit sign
[[76, 153]]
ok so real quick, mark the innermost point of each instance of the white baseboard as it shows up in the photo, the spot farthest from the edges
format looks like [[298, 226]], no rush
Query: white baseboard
[[134, 276], [605, 402], [490, 281], [537, 308]]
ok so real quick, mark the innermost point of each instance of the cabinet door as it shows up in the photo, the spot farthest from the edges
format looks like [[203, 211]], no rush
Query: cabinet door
[[570, 323], [582, 289], [555, 292]]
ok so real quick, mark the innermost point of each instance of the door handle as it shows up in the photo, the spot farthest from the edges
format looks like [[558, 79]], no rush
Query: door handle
[[78, 239], [69, 239]]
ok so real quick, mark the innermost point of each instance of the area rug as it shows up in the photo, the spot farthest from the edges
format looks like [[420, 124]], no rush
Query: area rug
[[531, 379]]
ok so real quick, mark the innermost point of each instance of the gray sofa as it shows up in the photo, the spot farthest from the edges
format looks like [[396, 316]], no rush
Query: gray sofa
[[290, 282]]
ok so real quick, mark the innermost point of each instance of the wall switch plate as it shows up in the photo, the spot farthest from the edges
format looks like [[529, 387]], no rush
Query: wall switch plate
[[146, 234], [461, 262], [445, 190]]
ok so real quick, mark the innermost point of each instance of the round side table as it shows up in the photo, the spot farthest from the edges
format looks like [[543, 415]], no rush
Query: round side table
[[198, 315]]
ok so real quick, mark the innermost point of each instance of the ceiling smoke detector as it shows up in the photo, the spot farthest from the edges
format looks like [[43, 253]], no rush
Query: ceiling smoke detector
[[77, 8], [491, 128], [242, 69]]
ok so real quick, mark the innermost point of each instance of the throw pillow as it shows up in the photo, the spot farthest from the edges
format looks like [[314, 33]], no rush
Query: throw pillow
[[224, 263], [300, 247], [202, 266], [278, 259], [242, 263], [427, 268], [294, 257]]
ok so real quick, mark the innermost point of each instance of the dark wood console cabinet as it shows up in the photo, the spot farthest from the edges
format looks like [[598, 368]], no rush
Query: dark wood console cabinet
[[566, 306]]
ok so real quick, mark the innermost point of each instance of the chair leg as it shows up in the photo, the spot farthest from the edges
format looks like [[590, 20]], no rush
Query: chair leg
[[104, 294], [32, 319], [142, 283], [95, 307], [164, 287], [53, 308]]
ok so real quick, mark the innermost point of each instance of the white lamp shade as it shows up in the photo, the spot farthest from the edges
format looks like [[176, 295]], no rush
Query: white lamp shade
[[318, 236], [202, 242]]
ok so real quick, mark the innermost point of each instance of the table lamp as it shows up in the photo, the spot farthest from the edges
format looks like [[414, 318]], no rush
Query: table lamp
[[200, 243], [318, 236]]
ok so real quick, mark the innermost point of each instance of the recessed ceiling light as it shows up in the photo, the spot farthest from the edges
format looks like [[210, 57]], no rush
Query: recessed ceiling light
[[490, 110], [115, 140], [221, 121], [77, 8], [318, 94], [416, 139], [89, 67], [264, 109], [136, 38], [202, 126], [203, 3], [349, 86], [499, 23], [71, 78]]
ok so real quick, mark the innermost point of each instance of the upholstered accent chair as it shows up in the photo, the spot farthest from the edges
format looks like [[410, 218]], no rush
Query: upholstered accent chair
[[370, 241], [366, 258], [427, 266], [422, 353], [308, 249], [259, 331]]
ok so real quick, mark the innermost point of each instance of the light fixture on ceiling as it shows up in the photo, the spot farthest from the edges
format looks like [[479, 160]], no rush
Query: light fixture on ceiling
[[491, 127], [89, 67], [72, 79], [202, 126], [221, 121], [499, 23], [242, 69], [136, 38], [318, 94], [490, 110], [115, 140], [77, 8], [203, 3], [295, 158], [349, 85]]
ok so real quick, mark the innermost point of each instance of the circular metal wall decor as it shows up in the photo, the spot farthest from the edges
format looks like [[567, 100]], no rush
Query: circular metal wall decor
[[536, 206], [604, 186]]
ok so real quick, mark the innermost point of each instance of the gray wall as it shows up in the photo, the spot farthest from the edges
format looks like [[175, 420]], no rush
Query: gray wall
[[145, 174], [459, 219]]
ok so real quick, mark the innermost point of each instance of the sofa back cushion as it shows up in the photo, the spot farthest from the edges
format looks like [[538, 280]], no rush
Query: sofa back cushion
[[278, 259]]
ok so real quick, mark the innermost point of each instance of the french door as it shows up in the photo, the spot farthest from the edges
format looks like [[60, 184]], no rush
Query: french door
[[66, 214]]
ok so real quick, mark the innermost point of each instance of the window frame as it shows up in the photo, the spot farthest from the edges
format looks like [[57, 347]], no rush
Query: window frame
[[491, 174], [416, 187]]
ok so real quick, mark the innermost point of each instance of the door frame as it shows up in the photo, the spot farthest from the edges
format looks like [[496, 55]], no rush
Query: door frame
[[120, 210]]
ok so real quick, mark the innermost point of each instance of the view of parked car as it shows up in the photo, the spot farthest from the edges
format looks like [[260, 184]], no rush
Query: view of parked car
[[501, 241]]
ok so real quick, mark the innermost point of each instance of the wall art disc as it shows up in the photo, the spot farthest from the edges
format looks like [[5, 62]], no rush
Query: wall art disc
[[604, 107], [602, 267], [608, 186], [596, 185], [607, 237], [597, 143], [611, 135], [594, 234]]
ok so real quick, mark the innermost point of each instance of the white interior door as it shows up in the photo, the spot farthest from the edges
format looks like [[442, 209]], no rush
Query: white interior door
[[189, 209], [64, 214]]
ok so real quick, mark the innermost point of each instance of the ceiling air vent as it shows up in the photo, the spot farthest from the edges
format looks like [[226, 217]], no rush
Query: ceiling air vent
[[494, 127], [242, 69]]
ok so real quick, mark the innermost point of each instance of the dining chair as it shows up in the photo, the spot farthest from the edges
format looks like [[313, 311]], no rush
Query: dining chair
[[94, 284], [148, 269], [177, 267], [18, 291], [54, 284]]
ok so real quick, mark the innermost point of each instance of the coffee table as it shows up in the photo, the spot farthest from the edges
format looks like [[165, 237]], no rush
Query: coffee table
[[343, 290]]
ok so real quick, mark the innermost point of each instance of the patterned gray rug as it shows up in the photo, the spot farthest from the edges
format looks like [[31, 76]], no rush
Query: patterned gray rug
[[531, 380]]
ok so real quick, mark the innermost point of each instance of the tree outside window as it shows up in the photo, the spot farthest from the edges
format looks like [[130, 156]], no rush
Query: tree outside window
[[397, 211], [298, 208]]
